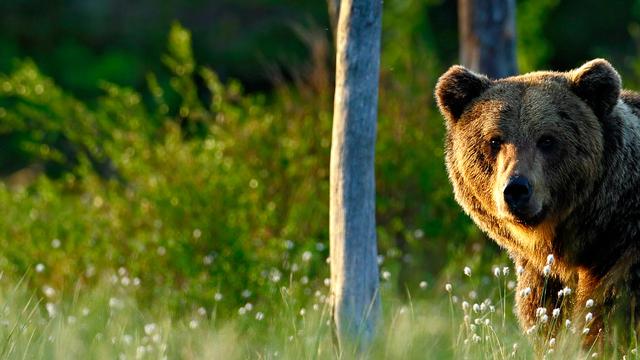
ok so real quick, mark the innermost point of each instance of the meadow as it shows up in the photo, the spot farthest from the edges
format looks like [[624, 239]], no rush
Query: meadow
[[190, 220]]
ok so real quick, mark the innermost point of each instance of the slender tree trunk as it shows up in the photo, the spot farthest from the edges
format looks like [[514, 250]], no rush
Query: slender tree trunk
[[354, 268], [488, 36]]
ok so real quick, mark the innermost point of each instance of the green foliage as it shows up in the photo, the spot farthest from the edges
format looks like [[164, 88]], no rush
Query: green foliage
[[197, 188]]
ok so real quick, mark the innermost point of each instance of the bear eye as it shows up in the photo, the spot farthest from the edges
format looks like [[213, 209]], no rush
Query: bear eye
[[546, 143], [495, 143]]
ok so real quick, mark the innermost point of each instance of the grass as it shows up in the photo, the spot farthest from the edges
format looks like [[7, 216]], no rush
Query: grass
[[470, 318]]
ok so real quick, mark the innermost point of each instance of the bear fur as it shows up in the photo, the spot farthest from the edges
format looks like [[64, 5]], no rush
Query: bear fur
[[547, 163]]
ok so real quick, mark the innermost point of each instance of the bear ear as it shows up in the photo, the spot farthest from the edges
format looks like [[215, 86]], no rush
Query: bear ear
[[598, 84], [456, 88]]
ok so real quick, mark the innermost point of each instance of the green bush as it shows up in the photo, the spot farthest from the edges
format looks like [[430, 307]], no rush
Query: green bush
[[196, 188]]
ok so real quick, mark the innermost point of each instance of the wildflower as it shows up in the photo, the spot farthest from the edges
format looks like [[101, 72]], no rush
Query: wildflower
[[476, 308], [544, 318], [546, 270], [465, 306], [259, 316], [55, 243], [472, 327], [531, 330], [302, 312], [39, 268], [511, 285], [85, 311], [448, 287], [242, 311], [51, 309], [505, 271], [525, 292], [467, 271], [306, 256], [588, 317], [550, 259], [217, 296], [327, 282], [519, 270], [150, 328], [202, 311], [552, 341], [555, 313], [585, 331], [483, 307], [386, 275], [487, 321], [48, 291], [540, 311], [246, 293], [560, 293], [567, 323], [423, 285], [492, 308], [193, 324], [496, 272], [476, 338], [589, 303], [566, 291]]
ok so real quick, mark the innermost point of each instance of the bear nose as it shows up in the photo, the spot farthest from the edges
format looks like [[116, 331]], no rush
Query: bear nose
[[517, 192]]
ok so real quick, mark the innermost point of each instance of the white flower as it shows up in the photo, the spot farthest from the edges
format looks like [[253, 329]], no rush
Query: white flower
[[217, 296], [306, 256], [259, 316], [590, 303], [496, 271], [448, 287], [423, 285], [546, 270], [540, 311], [560, 293], [567, 323], [193, 324], [531, 330], [544, 318], [51, 309], [487, 321], [39, 268], [48, 291], [55, 243], [588, 317], [150, 328], [525, 292], [550, 259], [585, 331], [476, 308], [505, 271], [465, 306], [552, 341], [519, 270], [467, 271], [386, 275], [555, 313]]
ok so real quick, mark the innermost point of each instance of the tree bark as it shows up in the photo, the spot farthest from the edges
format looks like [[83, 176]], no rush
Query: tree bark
[[488, 36], [353, 249]]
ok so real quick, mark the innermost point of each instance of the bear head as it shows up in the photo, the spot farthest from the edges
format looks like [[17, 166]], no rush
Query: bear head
[[526, 149]]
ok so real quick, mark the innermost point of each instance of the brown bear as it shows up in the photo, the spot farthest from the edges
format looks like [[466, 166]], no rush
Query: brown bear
[[547, 163]]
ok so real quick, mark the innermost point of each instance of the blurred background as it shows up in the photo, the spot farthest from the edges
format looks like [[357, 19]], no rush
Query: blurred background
[[186, 143]]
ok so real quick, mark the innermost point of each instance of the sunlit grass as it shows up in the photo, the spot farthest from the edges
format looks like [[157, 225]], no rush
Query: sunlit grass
[[469, 318]]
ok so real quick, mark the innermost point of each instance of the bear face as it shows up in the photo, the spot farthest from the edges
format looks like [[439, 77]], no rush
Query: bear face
[[524, 151], [545, 163]]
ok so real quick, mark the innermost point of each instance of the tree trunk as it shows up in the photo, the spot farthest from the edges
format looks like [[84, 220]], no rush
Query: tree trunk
[[354, 268], [487, 36]]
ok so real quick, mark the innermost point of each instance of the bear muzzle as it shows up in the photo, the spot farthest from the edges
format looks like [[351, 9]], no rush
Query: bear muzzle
[[518, 196]]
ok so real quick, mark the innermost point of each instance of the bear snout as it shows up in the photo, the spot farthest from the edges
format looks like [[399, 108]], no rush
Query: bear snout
[[517, 194]]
